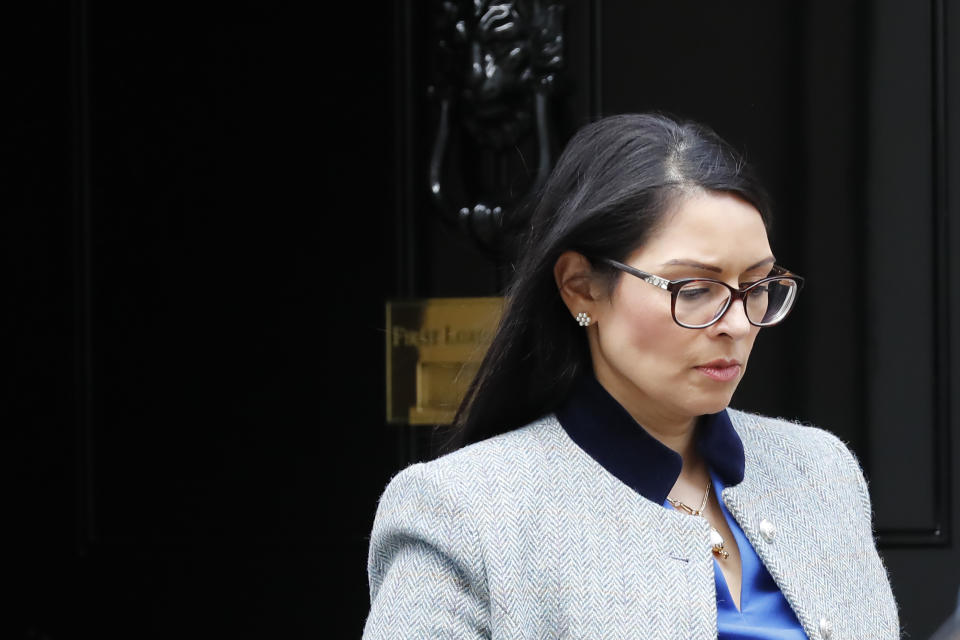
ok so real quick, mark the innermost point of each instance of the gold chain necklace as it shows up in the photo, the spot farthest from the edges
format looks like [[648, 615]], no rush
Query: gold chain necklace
[[715, 538]]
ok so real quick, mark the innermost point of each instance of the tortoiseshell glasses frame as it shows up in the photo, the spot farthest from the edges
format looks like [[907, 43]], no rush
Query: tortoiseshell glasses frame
[[786, 287]]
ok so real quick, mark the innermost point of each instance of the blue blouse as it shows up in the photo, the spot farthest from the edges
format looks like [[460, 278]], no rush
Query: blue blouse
[[609, 434]]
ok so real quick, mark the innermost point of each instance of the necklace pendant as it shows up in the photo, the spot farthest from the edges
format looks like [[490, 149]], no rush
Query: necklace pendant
[[717, 541]]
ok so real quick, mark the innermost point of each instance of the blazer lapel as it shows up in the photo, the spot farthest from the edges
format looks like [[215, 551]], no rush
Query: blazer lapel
[[766, 506]]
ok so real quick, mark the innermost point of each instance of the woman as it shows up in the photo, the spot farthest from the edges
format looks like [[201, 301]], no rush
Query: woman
[[602, 488]]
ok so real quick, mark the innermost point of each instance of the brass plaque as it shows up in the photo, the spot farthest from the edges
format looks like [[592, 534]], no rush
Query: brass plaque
[[434, 348]]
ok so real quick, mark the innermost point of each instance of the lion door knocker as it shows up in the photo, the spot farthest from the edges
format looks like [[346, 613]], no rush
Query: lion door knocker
[[497, 66]]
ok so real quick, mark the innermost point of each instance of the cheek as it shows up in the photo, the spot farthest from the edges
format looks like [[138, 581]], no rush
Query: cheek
[[750, 341], [641, 331]]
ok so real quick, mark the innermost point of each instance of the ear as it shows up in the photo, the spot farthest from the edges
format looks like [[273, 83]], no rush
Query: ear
[[574, 277]]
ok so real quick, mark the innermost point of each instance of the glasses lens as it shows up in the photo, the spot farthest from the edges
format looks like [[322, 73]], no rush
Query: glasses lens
[[769, 302], [700, 302]]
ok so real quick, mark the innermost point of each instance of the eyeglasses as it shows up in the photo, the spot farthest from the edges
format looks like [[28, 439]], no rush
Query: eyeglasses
[[697, 303]]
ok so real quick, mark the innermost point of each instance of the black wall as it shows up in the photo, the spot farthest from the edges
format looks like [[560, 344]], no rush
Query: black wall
[[197, 235]]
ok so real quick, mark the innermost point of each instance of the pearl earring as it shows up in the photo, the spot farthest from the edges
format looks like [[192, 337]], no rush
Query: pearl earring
[[583, 319]]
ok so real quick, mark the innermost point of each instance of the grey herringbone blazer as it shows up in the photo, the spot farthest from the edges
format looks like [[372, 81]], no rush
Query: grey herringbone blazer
[[526, 536]]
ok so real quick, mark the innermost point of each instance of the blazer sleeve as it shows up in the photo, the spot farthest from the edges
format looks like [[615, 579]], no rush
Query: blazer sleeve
[[881, 581], [425, 570], [864, 504], [855, 472]]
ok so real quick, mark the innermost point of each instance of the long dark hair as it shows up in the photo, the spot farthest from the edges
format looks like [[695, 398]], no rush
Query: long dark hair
[[614, 182]]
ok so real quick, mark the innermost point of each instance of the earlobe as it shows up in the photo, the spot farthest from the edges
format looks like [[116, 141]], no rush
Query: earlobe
[[574, 277]]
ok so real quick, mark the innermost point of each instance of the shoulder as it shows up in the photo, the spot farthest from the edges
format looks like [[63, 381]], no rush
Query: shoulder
[[810, 452], [446, 504], [764, 432], [487, 458], [478, 472]]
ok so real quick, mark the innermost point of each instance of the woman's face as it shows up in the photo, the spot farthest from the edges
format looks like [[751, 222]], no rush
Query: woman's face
[[662, 372]]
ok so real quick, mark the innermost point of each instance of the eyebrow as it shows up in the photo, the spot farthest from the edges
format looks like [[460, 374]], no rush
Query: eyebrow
[[709, 267]]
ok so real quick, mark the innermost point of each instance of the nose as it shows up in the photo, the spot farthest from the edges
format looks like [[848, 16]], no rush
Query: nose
[[734, 321]]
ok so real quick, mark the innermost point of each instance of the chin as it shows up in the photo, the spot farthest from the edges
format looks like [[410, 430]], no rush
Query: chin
[[714, 403]]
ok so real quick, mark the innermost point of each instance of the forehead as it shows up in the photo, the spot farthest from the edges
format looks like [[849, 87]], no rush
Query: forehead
[[710, 227]]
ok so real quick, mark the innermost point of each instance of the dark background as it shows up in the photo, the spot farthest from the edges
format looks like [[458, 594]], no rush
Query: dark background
[[205, 209]]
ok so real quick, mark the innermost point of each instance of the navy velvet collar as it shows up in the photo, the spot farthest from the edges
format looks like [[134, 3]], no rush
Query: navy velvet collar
[[609, 434]]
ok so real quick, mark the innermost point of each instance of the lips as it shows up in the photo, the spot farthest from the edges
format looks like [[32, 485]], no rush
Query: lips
[[720, 370]]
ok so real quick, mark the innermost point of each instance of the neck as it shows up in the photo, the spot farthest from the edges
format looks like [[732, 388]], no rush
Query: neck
[[676, 432], [679, 436]]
